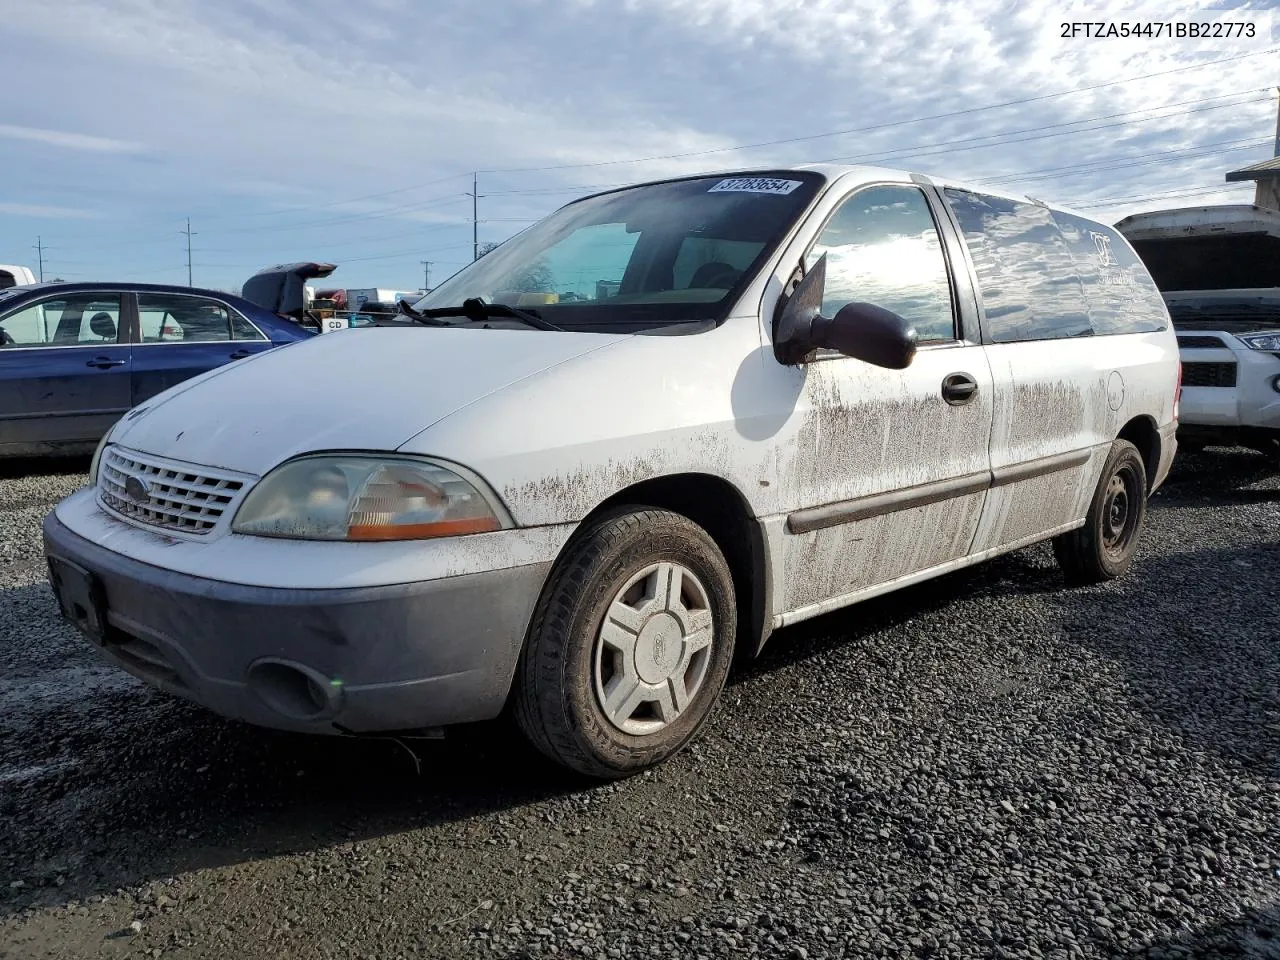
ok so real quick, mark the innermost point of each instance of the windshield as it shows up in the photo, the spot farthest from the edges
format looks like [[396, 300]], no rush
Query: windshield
[[639, 258]]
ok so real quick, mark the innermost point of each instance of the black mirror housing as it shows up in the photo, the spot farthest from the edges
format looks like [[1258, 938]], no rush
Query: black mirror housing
[[862, 331]]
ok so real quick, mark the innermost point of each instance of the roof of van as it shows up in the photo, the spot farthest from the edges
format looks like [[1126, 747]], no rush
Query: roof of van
[[1200, 221], [837, 171]]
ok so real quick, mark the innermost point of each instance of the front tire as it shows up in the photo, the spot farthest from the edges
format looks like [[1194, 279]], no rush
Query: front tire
[[1104, 547], [630, 645]]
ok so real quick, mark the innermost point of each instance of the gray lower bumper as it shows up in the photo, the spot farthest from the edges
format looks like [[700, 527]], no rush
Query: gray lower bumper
[[389, 658]]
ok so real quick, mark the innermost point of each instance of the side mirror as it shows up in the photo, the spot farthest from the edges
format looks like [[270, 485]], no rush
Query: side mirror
[[859, 330]]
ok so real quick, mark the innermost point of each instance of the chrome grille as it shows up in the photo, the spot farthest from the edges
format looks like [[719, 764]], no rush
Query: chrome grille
[[164, 493]]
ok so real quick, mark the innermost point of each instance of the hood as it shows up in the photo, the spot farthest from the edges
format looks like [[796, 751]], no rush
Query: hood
[[282, 289], [363, 389]]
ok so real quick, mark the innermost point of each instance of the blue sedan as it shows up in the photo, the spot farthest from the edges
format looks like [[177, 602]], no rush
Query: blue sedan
[[75, 356]]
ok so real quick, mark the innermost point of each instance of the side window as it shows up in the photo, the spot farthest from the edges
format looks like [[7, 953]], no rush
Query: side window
[[175, 318], [1122, 296], [76, 320], [883, 248], [242, 329], [1028, 280]]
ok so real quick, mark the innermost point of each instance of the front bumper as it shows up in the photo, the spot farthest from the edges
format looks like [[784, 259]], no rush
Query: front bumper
[[361, 659], [1252, 401]]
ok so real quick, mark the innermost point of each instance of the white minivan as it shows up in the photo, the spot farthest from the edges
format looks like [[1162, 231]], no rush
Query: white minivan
[[639, 436]]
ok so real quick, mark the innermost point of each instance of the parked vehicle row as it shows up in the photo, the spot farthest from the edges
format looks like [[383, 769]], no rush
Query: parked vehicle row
[[586, 470], [74, 357]]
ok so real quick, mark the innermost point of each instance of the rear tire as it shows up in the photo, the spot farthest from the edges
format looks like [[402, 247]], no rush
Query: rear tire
[[1104, 547], [630, 644]]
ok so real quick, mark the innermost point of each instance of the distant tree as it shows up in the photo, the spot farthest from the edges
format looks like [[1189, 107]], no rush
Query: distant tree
[[485, 246]]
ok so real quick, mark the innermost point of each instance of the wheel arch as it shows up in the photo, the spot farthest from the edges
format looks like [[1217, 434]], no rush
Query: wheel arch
[[719, 508], [1143, 433]]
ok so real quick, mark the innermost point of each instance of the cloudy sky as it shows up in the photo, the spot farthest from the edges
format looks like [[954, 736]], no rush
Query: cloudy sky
[[347, 130]]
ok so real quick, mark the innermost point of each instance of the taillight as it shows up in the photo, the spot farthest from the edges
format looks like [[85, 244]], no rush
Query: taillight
[[1177, 393]]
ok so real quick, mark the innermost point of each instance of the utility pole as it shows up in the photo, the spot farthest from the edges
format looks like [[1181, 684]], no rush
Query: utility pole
[[1276, 149], [189, 236], [39, 248], [475, 216], [426, 275]]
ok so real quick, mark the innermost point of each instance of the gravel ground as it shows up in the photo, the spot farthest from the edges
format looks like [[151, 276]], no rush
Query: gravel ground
[[984, 766]]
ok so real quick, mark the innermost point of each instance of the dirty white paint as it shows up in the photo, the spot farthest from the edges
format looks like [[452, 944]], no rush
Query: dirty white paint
[[556, 423], [300, 564]]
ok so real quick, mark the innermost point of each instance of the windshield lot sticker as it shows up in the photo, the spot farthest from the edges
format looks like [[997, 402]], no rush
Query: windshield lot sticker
[[755, 185]]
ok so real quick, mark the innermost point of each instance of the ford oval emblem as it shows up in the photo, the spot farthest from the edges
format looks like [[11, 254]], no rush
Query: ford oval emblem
[[137, 490]]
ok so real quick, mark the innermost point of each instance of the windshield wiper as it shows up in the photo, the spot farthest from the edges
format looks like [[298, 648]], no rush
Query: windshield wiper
[[477, 311], [408, 311]]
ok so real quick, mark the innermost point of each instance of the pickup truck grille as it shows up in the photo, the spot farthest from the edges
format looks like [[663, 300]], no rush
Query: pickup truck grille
[[1209, 374], [162, 493], [1200, 341]]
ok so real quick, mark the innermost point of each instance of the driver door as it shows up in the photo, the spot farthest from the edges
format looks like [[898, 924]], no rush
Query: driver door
[[888, 469]]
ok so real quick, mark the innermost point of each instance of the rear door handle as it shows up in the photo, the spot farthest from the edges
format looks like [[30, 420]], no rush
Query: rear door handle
[[959, 388], [105, 363], [241, 354]]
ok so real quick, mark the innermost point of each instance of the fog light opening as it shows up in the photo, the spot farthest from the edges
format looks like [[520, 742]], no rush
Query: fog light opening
[[294, 691]]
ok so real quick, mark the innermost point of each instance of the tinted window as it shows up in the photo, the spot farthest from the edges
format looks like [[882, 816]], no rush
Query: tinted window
[[1030, 288], [242, 329], [173, 318], [883, 248], [579, 267], [706, 261], [78, 319], [1122, 296]]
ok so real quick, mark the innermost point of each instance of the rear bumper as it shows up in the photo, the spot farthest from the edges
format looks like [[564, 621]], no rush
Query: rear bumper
[[361, 659]]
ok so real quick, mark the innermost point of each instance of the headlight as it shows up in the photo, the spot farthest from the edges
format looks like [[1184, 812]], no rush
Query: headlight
[[1263, 341], [97, 458], [334, 497]]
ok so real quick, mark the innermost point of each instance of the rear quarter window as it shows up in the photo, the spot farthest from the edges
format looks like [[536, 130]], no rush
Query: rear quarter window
[[1027, 276], [1122, 296]]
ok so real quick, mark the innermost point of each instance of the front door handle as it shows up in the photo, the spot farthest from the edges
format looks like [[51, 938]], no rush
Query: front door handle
[[959, 388], [105, 363], [240, 354]]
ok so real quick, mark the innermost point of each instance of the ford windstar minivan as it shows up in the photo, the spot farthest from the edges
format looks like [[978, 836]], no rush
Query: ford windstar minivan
[[639, 436]]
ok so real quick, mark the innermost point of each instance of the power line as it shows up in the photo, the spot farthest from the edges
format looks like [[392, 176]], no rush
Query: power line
[[1122, 163], [442, 200], [954, 146], [39, 248], [995, 139], [1161, 195], [888, 124], [338, 203]]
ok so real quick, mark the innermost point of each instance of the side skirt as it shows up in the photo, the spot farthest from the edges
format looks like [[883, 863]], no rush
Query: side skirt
[[835, 603]]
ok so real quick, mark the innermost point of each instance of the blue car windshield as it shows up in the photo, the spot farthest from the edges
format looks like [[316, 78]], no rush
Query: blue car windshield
[[642, 257]]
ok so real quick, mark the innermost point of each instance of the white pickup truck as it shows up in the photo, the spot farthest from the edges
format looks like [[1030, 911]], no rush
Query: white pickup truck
[[1218, 268], [14, 276]]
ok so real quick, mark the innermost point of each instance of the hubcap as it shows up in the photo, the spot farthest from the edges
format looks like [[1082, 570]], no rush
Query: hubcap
[[653, 649]]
